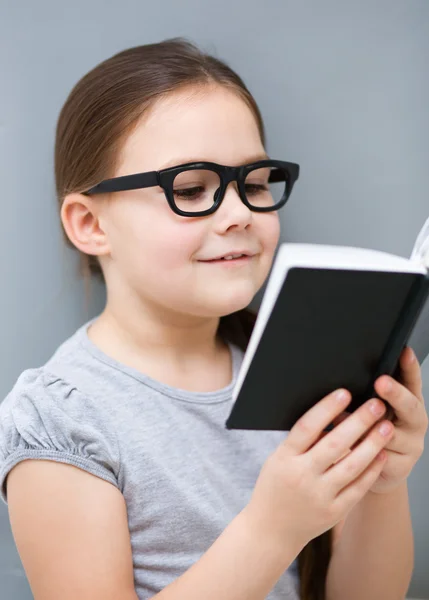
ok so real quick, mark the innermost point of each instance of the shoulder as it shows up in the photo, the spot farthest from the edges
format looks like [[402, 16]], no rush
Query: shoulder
[[40, 391], [45, 416]]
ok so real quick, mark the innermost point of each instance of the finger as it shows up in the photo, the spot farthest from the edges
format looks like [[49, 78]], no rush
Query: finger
[[339, 419], [402, 442], [386, 416], [342, 417], [334, 423], [351, 494], [355, 462], [308, 428], [407, 406], [339, 440], [411, 374]]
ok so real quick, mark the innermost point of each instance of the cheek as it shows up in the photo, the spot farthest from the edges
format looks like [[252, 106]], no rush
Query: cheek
[[160, 242], [268, 228], [174, 246]]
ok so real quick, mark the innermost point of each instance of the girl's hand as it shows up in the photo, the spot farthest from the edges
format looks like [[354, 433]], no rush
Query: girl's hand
[[305, 487], [409, 423], [313, 478]]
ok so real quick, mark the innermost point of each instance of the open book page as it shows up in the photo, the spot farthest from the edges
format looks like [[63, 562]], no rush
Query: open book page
[[420, 252], [419, 339]]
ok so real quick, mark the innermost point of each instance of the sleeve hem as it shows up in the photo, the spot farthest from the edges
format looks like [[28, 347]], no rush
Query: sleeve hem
[[57, 456]]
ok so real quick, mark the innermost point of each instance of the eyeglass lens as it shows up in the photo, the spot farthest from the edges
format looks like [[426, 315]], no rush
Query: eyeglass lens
[[195, 190]]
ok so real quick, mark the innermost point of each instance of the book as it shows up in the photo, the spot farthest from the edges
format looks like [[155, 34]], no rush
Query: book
[[330, 317]]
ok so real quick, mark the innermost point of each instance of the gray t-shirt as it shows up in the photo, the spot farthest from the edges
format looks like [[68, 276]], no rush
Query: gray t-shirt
[[184, 476]]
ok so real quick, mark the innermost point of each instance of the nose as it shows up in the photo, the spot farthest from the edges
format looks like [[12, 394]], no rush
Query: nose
[[233, 212]]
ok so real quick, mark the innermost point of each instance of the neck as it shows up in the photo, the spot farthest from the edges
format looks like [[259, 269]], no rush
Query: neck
[[148, 330], [178, 352]]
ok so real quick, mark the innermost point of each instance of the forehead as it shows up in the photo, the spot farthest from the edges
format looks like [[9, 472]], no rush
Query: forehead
[[194, 124]]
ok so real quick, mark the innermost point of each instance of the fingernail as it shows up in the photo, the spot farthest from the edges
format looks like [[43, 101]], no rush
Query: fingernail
[[412, 355], [376, 408], [341, 395], [385, 429], [387, 384]]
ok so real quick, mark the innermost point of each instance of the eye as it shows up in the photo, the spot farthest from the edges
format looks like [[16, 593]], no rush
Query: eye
[[190, 193], [255, 188]]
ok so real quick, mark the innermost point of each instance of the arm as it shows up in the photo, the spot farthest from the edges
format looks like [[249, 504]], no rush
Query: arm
[[373, 557], [73, 540], [240, 565], [71, 532]]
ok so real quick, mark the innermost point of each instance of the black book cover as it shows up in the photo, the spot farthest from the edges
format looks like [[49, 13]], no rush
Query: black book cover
[[329, 328]]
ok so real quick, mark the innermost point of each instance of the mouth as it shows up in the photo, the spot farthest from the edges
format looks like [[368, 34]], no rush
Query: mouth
[[231, 259]]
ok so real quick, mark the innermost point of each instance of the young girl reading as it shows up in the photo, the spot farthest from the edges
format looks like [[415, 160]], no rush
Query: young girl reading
[[121, 479]]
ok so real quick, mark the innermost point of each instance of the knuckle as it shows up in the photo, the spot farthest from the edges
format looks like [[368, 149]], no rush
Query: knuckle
[[303, 426], [310, 464], [377, 442], [367, 417], [296, 478], [414, 404], [351, 466], [324, 503], [356, 494], [365, 482], [329, 513], [333, 443]]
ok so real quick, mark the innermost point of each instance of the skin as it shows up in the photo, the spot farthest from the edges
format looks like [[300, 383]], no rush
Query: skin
[[162, 312], [164, 304]]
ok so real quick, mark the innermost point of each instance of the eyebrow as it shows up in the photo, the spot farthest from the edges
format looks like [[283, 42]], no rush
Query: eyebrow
[[182, 161]]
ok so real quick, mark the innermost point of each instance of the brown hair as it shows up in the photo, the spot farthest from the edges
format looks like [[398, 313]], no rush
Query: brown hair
[[99, 113]]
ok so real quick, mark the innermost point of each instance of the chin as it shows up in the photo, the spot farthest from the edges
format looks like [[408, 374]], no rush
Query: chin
[[225, 304]]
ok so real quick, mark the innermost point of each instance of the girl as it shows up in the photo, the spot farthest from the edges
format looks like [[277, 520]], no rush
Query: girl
[[135, 488]]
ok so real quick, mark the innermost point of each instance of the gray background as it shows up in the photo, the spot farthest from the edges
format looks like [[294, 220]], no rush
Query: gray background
[[343, 87]]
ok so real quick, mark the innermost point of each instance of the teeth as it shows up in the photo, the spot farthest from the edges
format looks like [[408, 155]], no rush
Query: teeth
[[231, 256]]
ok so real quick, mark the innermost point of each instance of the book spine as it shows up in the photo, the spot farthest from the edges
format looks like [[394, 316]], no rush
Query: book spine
[[414, 304]]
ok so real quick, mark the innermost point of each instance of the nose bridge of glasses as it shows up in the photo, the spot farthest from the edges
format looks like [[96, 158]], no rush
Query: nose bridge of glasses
[[230, 174]]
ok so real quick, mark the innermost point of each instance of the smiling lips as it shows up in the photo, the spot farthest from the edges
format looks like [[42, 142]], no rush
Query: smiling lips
[[241, 255]]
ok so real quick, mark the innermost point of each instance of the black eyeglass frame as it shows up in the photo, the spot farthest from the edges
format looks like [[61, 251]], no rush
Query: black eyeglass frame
[[288, 172]]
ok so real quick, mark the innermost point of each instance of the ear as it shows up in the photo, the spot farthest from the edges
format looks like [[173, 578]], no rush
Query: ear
[[80, 216]]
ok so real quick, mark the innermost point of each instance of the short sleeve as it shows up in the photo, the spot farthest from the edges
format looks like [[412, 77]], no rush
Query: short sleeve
[[45, 417]]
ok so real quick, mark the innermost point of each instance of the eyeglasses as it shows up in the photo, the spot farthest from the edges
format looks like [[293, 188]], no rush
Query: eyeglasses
[[197, 189]]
